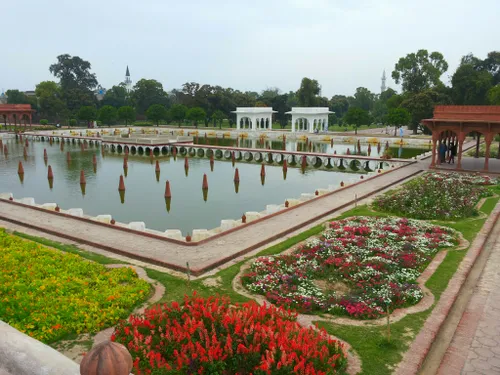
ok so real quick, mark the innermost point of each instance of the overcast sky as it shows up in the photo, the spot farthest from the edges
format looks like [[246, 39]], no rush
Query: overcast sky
[[246, 45]]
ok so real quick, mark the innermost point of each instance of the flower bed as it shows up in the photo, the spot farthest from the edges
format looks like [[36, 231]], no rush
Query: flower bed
[[48, 294], [209, 336], [437, 196], [358, 267]]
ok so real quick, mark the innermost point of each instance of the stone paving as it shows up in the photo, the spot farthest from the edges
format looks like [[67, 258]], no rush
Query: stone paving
[[228, 246], [475, 348]]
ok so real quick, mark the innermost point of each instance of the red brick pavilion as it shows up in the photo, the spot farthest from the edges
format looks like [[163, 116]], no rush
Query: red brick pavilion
[[16, 113], [452, 123]]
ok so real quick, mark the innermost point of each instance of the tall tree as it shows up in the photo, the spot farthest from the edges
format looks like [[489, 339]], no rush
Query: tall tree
[[108, 115], [16, 97], [116, 96], [73, 72], [470, 86], [51, 104], [308, 92], [196, 114], [364, 98], [494, 95], [156, 113], [398, 117], [127, 114], [339, 104], [421, 106], [357, 117], [218, 116], [147, 92], [87, 113], [419, 71], [178, 113], [387, 94]]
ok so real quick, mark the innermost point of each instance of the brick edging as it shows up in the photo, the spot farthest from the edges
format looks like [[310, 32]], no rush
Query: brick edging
[[209, 267], [416, 354]]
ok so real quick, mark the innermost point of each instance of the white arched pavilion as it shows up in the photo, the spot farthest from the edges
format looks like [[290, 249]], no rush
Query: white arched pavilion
[[309, 119], [254, 118]]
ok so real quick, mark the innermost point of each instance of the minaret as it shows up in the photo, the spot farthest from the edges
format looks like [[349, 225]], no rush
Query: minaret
[[382, 88], [128, 81]]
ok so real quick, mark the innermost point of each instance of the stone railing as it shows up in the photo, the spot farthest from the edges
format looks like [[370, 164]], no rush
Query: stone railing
[[23, 355]]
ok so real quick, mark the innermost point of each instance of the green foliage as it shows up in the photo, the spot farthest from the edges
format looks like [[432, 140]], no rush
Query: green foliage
[[48, 294], [218, 116], [339, 104], [127, 114], [420, 71], [108, 115], [73, 73], [116, 96], [147, 92], [398, 117], [87, 113], [357, 117], [470, 86], [196, 114], [494, 95], [72, 122], [16, 97], [178, 112], [44, 121], [308, 92], [156, 113], [50, 99], [363, 98]]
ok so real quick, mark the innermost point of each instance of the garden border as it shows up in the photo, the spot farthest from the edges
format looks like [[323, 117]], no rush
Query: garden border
[[420, 347]]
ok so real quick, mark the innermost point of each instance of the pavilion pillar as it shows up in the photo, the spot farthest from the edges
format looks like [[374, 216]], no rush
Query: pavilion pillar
[[461, 139], [476, 155], [434, 141], [31, 124], [488, 140], [293, 125], [438, 151]]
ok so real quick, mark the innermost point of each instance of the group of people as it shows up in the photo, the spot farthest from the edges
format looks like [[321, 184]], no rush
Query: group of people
[[442, 152]]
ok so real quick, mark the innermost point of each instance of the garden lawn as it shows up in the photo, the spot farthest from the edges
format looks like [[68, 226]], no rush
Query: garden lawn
[[49, 294]]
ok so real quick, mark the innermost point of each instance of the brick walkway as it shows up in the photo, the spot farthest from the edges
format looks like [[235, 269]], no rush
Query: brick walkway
[[203, 256], [475, 348]]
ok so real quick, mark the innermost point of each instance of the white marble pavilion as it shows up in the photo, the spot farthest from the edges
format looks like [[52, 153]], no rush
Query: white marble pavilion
[[309, 119], [254, 118]]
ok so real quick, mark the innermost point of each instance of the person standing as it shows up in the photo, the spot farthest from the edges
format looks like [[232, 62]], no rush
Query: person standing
[[442, 152], [453, 153], [401, 131]]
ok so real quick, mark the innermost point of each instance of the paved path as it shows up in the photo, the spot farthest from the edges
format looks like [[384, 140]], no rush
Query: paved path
[[203, 256], [475, 347]]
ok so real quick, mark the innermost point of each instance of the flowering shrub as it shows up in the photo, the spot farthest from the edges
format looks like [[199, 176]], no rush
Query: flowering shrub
[[367, 264], [48, 294], [209, 336], [437, 196]]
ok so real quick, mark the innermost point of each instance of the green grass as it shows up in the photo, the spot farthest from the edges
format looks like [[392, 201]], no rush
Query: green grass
[[70, 249]]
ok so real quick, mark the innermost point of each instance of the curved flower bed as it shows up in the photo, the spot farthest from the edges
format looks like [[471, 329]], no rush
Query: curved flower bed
[[437, 196], [359, 267], [209, 336], [48, 294]]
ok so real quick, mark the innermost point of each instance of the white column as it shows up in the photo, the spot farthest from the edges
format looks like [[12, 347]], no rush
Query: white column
[[254, 122], [238, 118], [293, 124]]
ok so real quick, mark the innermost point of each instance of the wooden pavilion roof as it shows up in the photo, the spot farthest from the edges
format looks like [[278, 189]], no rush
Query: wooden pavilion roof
[[13, 108], [465, 113]]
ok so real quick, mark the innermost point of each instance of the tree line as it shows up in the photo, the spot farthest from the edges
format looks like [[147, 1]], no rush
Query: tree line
[[476, 81]]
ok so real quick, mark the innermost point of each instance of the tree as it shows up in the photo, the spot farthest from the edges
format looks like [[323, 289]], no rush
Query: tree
[[87, 113], [357, 117], [387, 94], [178, 113], [127, 114], [156, 113], [398, 117], [339, 104], [116, 96], [421, 106], [494, 95], [470, 86], [73, 73], [218, 116], [50, 100], [147, 92], [364, 98], [16, 97], [308, 92], [196, 114], [394, 101], [108, 115], [420, 71]]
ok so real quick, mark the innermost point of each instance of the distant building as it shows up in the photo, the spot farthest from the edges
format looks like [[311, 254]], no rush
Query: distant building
[[3, 97], [30, 93], [99, 93], [383, 87], [128, 81]]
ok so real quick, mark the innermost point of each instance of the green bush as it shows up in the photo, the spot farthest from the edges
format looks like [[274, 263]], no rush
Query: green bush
[[44, 121], [72, 122]]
